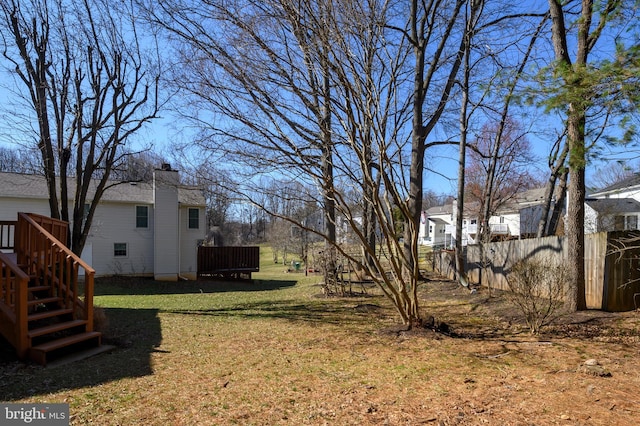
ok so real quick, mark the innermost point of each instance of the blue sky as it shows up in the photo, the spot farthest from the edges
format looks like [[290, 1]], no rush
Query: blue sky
[[164, 131]]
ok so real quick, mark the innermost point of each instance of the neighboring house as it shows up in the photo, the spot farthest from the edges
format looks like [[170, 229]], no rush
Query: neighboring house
[[146, 229], [433, 224], [614, 208], [610, 214], [517, 218]]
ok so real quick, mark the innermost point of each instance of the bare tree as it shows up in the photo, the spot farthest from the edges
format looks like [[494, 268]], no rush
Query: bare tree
[[18, 160], [613, 172], [489, 80], [343, 97], [84, 74], [498, 170], [137, 166]]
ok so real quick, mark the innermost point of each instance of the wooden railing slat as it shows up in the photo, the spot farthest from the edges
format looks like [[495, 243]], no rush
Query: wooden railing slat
[[14, 304]]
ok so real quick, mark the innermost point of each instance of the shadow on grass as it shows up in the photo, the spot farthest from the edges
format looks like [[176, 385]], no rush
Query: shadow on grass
[[325, 311], [136, 333], [147, 286]]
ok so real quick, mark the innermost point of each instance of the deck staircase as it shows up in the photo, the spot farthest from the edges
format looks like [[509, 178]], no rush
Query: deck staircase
[[46, 291]]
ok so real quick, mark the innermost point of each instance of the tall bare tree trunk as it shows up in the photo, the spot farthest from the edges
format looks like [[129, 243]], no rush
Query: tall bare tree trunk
[[576, 120], [575, 211]]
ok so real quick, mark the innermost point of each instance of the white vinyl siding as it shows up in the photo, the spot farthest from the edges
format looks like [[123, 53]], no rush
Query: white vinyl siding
[[116, 222], [116, 244]]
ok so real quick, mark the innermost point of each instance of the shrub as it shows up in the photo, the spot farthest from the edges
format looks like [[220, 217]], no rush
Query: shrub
[[537, 288]]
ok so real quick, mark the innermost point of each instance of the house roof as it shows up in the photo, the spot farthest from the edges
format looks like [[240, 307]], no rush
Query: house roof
[[16, 185], [531, 197], [521, 200], [630, 182], [613, 205], [438, 221], [439, 210]]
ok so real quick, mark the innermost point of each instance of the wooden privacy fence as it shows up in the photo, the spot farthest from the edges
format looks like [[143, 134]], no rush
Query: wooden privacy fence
[[228, 262], [612, 278]]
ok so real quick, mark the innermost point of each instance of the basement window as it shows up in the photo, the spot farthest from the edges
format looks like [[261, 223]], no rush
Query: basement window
[[119, 249]]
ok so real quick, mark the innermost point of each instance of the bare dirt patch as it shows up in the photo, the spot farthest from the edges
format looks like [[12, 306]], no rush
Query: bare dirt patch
[[582, 369]]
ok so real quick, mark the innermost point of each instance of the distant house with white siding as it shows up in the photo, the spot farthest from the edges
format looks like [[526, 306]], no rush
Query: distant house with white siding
[[614, 208], [610, 214], [516, 218], [139, 228], [433, 225]]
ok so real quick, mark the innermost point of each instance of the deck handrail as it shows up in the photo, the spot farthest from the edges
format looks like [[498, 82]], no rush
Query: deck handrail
[[13, 303], [44, 255]]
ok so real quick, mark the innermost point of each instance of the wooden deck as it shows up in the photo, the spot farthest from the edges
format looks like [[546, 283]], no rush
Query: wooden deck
[[235, 263]]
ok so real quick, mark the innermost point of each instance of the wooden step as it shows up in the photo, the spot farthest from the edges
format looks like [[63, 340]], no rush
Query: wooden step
[[39, 353], [36, 288], [53, 328], [48, 314], [43, 300]]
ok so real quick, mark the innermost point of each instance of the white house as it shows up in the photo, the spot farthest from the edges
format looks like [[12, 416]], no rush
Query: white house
[[626, 188], [610, 214], [433, 224], [614, 208], [515, 219], [146, 229]]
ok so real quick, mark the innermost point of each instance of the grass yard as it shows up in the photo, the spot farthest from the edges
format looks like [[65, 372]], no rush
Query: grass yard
[[276, 352]]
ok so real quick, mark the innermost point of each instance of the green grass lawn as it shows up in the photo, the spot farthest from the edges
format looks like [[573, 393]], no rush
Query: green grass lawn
[[276, 352]]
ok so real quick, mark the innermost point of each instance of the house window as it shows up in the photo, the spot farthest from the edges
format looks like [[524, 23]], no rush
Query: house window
[[194, 218], [142, 216], [119, 249], [501, 219], [474, 221], [626, 223]]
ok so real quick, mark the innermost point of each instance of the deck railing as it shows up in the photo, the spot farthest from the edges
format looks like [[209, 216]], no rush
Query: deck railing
[[13, 303], [228, 261], [41, 254]]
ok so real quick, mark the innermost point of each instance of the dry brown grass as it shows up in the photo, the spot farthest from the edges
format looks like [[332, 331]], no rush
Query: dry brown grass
[[216, 355]]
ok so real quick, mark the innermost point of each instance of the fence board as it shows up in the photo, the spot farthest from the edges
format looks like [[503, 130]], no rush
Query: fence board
[[595, 250]]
